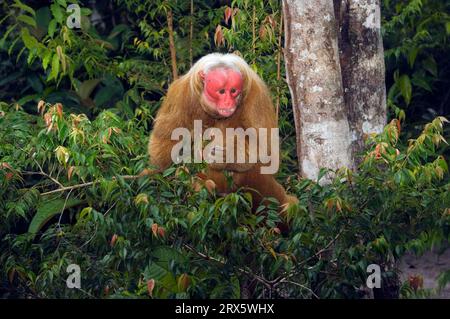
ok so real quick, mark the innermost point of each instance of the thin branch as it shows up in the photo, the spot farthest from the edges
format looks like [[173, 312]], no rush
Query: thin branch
[[41, 171], [191, 32], [72, 187], [96, 226], [173, 53], [262, 280], [42, 174], [254, 33], [62, 211], [300, 285], [295, 271], [280, 49], [82, 290]]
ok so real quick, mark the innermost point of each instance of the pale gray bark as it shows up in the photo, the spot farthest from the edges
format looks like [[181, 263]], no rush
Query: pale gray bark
[[314, 78], [335, 71], [362, 64]]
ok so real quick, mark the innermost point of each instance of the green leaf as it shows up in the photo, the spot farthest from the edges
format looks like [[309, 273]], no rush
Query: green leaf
[[10, 29], [46, 59], [26, 98], [430, 65], [421, 81], [29, 41], [28, 20], [49, 209], [443, 279], [85, 11], [57, 12], [24, 7], [52, 28], [43, 17], [322, 173], [443, 164], [55, 67], [85, 89], [103, 95], [62, 3], [399, 177], [405, 87], [412, 55], [167, 254], [169, 171], [154, 271]]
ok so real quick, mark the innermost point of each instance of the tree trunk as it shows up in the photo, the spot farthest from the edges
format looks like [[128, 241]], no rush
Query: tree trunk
[[315, 82], [338, 95], [362, 65], [173, 52]]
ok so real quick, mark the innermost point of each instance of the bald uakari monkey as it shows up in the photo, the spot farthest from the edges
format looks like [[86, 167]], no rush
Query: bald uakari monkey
[[222, 92]]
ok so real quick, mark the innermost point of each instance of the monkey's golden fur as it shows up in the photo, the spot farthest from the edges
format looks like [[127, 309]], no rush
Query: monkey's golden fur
[[182, 105]]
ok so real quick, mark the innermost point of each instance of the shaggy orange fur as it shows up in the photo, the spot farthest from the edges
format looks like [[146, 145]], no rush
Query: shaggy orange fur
[[183, 104]]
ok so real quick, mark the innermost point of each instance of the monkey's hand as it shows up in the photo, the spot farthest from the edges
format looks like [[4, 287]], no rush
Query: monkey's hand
[[217, 158], [220, 154]]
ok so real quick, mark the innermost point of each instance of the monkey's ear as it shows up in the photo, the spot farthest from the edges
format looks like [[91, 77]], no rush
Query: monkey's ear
[[202, 75]]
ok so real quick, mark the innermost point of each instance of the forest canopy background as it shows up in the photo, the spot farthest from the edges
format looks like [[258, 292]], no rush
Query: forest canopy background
[[64, 193]]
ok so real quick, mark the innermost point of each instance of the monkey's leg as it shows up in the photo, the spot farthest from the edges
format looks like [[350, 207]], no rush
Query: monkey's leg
[[265, 185], [219, 179]]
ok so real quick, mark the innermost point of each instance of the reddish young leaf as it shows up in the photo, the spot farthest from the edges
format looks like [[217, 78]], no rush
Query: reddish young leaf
[[377, 151], [11, 275], [228, 14], [5, 165], [415, 281], [398, 125], [161, 231], [262, 32], [183, 282], [218, 36], [150, 286], [70, 172], [41, 106], [113, 240], [59, 109], [269, 19], [48, 121], [155, 229], [210, 185]]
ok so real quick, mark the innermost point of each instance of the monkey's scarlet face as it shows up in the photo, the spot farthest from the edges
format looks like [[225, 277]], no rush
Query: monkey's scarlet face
[[222, 88]]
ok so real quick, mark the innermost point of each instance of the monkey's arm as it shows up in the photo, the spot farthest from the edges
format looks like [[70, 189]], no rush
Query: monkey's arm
[[159, 149], [169, 117]]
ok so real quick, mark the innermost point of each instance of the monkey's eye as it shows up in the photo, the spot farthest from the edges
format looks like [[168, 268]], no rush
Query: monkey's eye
[[222, 91], [233, 90]]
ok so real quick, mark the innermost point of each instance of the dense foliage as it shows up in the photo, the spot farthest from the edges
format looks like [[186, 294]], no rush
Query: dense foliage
[[70, 194]]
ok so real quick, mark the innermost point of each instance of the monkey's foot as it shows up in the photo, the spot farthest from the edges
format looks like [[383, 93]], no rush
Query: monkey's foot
[[148, 172], [290, 201], [209, 184]]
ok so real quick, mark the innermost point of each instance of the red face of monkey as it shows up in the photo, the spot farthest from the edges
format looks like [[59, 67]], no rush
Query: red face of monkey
[[222, 88]]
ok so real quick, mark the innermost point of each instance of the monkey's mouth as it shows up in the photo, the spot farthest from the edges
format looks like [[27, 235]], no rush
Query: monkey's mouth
[[226, 112]]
